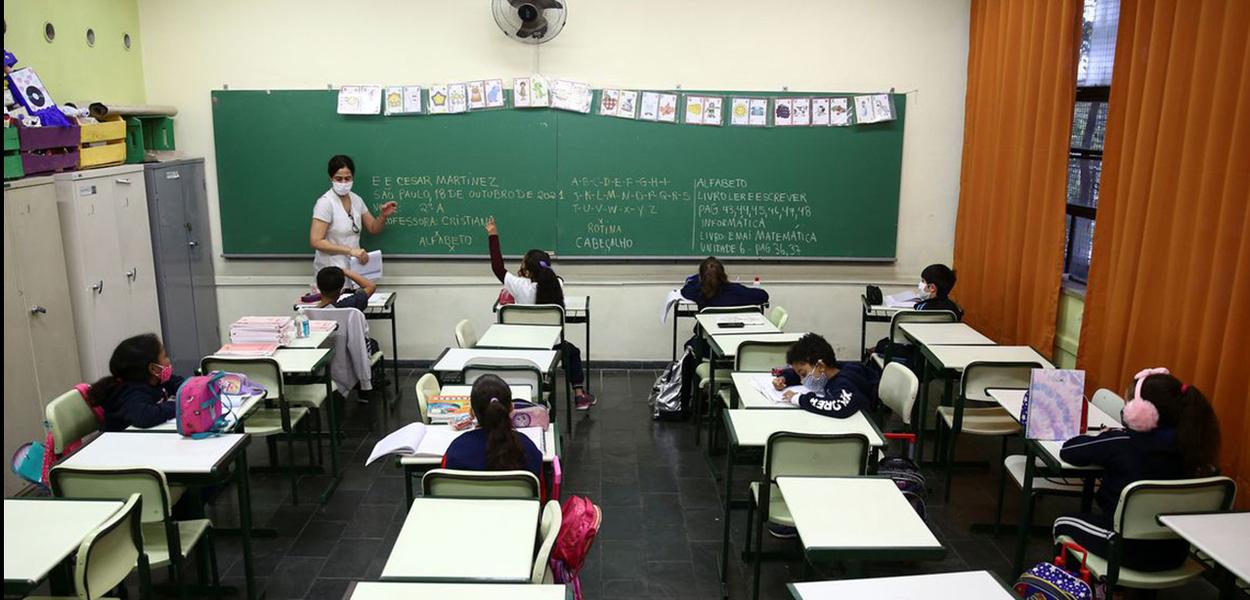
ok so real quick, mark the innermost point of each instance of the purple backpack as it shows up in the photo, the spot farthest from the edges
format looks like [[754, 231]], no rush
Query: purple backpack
[[201, 410], [1048, 581]]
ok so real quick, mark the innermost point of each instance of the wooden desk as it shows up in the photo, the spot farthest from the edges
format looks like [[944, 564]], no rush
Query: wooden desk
[[456, 540], [184, 461], [536, 337], [40, 534], [964, 585]]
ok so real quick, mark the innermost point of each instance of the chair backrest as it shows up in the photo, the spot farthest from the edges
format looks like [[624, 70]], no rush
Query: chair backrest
[[761, 356], [750, 308], [548, 530], [1109, 402], [451, 483], [1141, 503], [519, 373], [779, 317], [70, 418], [978, 377], [108, 554], [790, 454], [427, 387], [917, 316], [897, 390], [532, 314], [466, 336], [262, 370], [82, 482]]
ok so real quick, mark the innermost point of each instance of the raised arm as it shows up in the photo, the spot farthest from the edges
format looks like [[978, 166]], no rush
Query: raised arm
[[496, 256], [366, 286]]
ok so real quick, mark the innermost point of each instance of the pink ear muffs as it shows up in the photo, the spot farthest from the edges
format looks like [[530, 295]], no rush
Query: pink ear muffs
[[1140, 414]]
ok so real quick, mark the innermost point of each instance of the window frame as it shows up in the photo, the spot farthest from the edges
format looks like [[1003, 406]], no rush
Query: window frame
[[1073, 211]]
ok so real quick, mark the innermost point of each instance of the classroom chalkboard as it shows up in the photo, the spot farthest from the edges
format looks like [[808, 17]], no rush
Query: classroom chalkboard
[[582, 185]]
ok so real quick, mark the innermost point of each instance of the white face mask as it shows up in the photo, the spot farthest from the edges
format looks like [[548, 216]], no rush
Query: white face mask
[[924, 290], [341, 187]]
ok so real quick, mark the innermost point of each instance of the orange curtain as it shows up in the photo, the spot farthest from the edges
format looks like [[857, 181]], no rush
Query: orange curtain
[[1009, 234], [1170, 274]]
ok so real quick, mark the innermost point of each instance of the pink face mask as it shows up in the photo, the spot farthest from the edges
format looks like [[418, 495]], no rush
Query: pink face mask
[[167, 372]]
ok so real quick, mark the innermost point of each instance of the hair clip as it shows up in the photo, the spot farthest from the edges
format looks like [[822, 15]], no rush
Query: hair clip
[[494, 400], [544, 264]]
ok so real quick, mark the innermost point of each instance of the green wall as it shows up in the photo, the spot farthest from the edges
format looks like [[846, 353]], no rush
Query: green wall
[[70, 69], [1068, 329]]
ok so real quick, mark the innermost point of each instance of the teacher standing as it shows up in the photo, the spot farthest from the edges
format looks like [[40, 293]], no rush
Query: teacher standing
[[339, 216]]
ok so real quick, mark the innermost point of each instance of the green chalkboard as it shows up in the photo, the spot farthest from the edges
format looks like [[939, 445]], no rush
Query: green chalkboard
[[582, 185]]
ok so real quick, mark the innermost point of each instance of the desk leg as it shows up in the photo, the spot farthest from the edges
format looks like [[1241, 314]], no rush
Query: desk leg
[[922, 411], [1026, 510], [586, 367], [863, 333], [724, 551], [334, 436], [399, 393], [245, 522]]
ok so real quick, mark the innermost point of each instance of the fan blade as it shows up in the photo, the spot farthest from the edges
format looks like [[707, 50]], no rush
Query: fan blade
[[535, 29], [518, 3], [547, 4]]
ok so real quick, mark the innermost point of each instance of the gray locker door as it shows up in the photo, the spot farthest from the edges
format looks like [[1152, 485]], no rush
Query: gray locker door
[[203, 281], [167, 208]]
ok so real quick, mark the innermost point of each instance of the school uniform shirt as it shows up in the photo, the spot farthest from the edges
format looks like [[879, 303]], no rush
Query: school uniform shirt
[[845, 394], [140, 404], [943, 303], [731, 294], [356, 299], [1125, 456], [468, 452], [329, 209], [523, 289]]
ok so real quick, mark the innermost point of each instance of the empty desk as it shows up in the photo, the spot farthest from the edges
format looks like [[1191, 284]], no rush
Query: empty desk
[[1222, 536], [453, 539], [964, 585], [389, 590], [39, 534], [537, 337], [944, 334]]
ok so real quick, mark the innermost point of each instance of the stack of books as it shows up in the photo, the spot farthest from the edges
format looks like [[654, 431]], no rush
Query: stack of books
[[263, 330]]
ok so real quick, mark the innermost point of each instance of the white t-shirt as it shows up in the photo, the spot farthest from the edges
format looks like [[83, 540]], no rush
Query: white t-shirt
[[330, 210], [523, 289]]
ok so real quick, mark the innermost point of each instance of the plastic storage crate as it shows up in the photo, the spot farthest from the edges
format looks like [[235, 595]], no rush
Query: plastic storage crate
[[148, 134]]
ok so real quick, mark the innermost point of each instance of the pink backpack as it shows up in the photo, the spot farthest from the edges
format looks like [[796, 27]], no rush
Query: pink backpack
[[578, 529], [200, 410]]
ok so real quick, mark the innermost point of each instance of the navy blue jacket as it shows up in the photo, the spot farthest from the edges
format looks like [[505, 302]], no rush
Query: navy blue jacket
[[1125, 456], [845, 394], [468, 452], [357, 299], [941, 304], [140, 404], [731, 294]]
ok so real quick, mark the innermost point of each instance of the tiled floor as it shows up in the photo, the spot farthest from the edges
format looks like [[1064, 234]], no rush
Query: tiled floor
[[661, 530]]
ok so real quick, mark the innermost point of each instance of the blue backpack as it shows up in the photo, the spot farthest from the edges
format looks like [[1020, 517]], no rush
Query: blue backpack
[[1047, 581]]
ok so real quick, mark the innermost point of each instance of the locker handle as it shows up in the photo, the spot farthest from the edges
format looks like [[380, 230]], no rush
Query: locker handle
[[122, 180], [98, 287], [193, 244], [132, 273], [38, 310]]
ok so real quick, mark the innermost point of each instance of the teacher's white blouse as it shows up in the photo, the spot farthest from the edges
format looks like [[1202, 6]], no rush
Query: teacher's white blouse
[[330, 209]]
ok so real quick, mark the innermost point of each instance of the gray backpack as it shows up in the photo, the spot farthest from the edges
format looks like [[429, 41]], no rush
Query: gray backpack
[[665, 399]]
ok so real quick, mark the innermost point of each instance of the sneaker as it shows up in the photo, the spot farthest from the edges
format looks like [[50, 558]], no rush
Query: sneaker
[[584, 401], [782, 531]]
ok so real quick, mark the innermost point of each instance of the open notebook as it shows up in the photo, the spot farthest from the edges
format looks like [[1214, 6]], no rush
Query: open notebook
[[419, 439], [763, 383]]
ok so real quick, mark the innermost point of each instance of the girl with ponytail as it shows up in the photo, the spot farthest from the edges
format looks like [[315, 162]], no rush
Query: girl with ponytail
[[537, 283], [494, 445], [140, 382], [1170, 433]]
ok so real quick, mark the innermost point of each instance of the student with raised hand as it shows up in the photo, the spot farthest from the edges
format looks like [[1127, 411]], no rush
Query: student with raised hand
[[711, 287], [837, 389], [494, 445], [537, 283], [140, 389], [1171, 433]]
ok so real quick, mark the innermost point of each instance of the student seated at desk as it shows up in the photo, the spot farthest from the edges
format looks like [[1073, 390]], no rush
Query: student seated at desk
[[837, 389], [494, 445], [537, 283], [139, 387], [936, 283], [330, 282], [1171, 433], [711, 287]]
